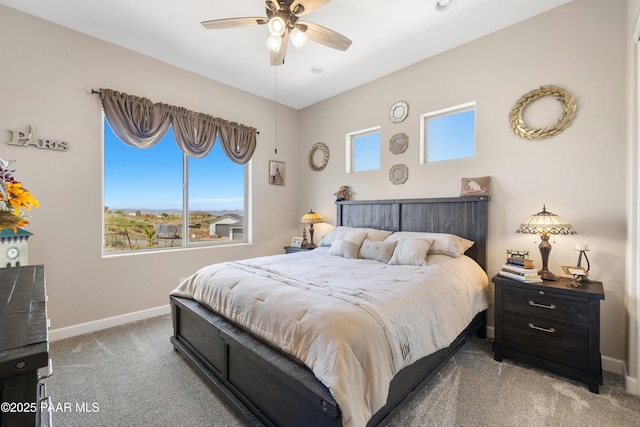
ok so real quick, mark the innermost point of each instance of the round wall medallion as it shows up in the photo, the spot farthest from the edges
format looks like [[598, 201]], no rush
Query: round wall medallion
[[398, 143], [568, 113], [398, 174], [398, 112], [313, 164]]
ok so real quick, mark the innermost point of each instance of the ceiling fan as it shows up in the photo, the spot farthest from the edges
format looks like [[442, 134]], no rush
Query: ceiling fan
[[283, 22]]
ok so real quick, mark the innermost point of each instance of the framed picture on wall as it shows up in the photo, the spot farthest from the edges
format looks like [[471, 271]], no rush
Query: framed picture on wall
[[276, 172]]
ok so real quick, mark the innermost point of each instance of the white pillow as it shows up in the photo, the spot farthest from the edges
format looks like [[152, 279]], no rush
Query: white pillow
[[338, 233], [349, 245], [443, 243], [377, 250], [411, 252]]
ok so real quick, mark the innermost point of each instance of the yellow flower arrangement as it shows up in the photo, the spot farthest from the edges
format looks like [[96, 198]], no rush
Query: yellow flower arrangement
[[14, 199]]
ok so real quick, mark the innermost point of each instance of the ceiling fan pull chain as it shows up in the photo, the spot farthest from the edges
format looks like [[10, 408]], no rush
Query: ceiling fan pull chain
[[276, 113]]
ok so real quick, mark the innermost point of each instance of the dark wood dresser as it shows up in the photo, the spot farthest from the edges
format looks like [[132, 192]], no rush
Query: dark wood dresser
[[550, 325], [24, 344]]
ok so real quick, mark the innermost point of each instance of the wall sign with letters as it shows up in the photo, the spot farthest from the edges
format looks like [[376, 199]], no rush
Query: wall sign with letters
[[22, 139]]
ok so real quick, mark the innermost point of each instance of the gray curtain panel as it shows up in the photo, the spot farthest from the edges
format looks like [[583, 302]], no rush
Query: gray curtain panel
[[142, 123]]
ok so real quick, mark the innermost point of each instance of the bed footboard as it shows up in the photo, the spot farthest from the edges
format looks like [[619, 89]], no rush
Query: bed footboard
[[268, 388]]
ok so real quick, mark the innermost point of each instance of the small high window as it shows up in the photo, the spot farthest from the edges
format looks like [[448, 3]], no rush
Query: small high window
[[363, 150], [448, 134]]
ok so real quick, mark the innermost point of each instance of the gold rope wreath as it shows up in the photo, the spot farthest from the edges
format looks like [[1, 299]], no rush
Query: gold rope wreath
[[325, 156], [568, 113]]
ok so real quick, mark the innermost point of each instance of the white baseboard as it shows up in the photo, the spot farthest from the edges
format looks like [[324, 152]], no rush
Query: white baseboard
[[109, 322], [491, 333], [631, 385], [614, 366]]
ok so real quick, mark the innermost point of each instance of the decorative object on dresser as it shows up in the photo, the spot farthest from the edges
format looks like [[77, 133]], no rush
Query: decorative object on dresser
[[310, 218], [296, 242], [24, 346], [550, 325], [14, 249], [519, 267], [583, 248], [545, 223], [15, 199]]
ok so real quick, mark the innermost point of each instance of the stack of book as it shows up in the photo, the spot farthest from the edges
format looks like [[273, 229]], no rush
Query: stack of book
[[521, 269]]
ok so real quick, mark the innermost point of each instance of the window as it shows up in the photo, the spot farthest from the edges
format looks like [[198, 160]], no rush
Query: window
[[448, 134], [363, 150], [147, 192]]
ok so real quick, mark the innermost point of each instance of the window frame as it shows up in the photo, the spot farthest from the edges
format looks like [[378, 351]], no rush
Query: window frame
[[184, 241], [350, 148], [424, 120]]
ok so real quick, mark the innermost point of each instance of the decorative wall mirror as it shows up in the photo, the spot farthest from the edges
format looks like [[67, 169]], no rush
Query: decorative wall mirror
[[398, 143], [398, 112], [398, 174], [318, 156]]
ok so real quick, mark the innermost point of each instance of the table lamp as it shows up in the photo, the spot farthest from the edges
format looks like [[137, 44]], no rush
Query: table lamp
[[545, 223], [310, 218]]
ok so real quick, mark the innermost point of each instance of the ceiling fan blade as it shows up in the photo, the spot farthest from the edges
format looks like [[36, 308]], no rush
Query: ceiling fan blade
[[277, 58], [272, 5], [308, 5], [324, 36], [216, 24]]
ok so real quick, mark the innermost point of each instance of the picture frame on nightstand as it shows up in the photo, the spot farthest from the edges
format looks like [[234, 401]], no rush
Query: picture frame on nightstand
[[296, 242]]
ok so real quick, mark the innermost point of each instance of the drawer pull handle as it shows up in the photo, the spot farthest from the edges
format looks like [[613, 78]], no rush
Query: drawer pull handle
[[549, 307], [550, 330]]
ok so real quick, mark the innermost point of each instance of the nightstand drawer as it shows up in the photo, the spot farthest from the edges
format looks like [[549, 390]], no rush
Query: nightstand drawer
[[532, 302], [547, 339]]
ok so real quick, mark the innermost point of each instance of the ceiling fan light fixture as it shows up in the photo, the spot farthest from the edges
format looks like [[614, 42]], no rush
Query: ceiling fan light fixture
[[274, 43], [442, 5], [298, 38], [277, 26]]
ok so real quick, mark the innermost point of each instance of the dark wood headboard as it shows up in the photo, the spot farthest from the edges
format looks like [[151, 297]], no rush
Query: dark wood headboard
[[463, 216]]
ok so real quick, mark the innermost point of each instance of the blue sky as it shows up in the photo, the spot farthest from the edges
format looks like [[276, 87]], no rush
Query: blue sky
[[366, 152], [451, 136], [151, 178]]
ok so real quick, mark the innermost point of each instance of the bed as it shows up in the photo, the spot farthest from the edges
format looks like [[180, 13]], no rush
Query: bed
[[271, 383]]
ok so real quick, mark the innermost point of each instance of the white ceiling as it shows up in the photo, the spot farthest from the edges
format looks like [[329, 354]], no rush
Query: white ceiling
[[387, 36]]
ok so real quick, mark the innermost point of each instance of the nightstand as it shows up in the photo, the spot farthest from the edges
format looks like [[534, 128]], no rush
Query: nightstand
[[550, 325], [293, 249]]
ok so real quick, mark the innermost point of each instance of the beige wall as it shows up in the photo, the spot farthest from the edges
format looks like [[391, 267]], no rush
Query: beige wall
[[45, 80], [579, 174], [633, 194]]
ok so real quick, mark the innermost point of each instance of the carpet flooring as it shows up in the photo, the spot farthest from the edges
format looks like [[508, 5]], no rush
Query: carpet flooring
[[131, 376]]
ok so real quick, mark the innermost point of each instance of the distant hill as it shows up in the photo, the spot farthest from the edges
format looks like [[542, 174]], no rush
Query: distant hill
[[179, 211]]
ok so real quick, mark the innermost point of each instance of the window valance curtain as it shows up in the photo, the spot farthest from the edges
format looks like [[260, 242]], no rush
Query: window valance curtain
[[141, 123]]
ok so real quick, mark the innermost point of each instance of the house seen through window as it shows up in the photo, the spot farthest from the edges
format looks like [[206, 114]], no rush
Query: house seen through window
[[448, 134], [159, 198]]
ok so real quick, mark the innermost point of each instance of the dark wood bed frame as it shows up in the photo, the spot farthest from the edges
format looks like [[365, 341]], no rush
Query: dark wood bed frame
[[269, 388]]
